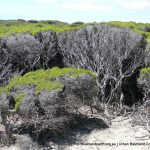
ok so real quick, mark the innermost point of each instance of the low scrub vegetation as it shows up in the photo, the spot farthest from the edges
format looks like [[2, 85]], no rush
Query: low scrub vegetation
[[42, 80], [46, 76], [33, 26], [114, 54], [47, 100], [22, 53], [141, 28]]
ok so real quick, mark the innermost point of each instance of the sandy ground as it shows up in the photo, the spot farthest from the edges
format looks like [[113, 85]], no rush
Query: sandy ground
[[120, 135]]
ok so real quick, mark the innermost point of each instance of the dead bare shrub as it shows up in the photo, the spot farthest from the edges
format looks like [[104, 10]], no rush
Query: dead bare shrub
[[113, 53]]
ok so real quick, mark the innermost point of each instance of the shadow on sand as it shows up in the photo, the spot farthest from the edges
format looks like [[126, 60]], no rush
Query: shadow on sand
[[83, 126]]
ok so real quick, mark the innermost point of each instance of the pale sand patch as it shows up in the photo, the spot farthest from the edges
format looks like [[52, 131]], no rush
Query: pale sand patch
[[10, 148], [120, 132]]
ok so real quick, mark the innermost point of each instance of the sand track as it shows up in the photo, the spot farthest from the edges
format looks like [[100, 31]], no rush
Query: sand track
[[95, 135], [121, 133]]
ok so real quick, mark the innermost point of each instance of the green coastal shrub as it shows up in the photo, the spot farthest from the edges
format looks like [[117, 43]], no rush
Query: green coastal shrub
[[145, 70], [9, 27], [45, 110], [42, 80]]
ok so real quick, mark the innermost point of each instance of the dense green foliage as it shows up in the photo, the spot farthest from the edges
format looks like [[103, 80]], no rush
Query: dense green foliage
[[145, 70], [20, 26], [10, 27], [41, 79]]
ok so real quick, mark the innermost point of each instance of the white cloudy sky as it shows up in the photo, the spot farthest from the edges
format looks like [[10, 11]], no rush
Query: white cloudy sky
[[76, 10]]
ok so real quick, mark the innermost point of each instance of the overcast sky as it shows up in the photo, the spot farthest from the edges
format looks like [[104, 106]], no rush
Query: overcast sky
[[76, 10]]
